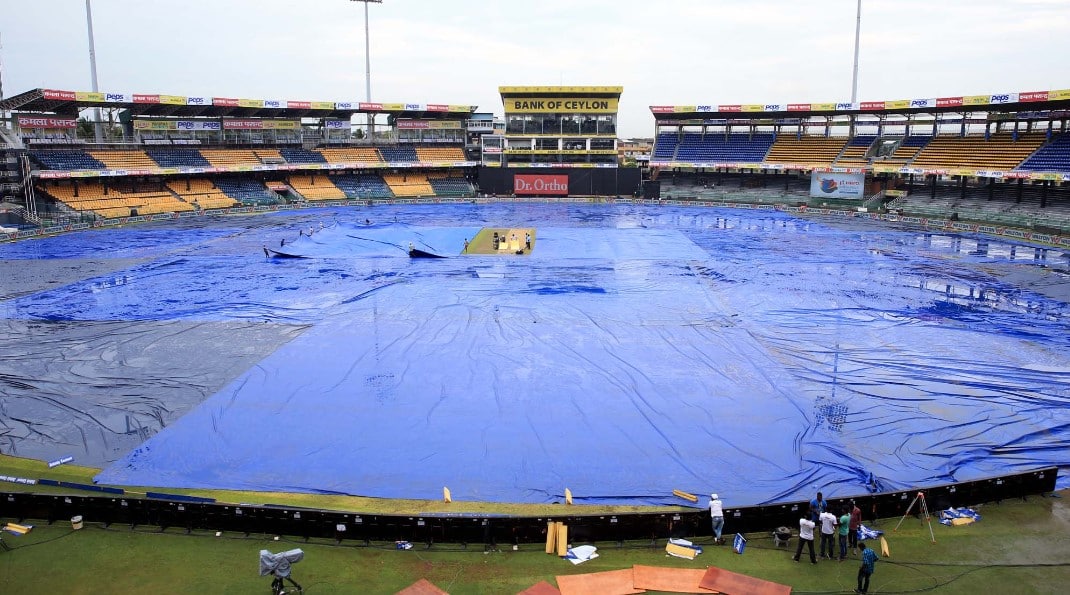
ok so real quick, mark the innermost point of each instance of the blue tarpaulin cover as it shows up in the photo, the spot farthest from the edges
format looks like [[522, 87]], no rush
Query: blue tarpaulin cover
[[635, 350]]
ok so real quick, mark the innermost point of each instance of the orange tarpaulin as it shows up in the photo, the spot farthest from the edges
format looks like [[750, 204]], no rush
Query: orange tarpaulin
[[610, 582], [673, 580], [731, 583]]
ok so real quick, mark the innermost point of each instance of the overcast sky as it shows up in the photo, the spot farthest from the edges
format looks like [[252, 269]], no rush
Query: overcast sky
[[668, 52]]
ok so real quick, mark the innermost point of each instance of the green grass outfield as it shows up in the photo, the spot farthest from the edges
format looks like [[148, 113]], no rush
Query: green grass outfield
[[1020, 546]]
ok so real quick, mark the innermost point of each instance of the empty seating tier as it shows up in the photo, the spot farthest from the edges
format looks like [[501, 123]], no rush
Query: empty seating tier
[[722, 148], [998, 152], [398, 154], [250, 192], [124, 159], [813, 151], [111, 201], [178, 157], [316, 187], [362, 186], [907, 149], [230, 157], [351, 155], [855, 153], [201, 193], [439, 154], [409, 184], [292, 155], [66, 160], [1054, 156]]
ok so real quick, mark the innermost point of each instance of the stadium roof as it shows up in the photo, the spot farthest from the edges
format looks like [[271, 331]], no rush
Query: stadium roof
[[529, 91], [1001, 102], [72, 102]]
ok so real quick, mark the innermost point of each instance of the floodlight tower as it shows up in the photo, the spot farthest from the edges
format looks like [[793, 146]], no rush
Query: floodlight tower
[[858, 32], [367, 61], [93, 68]]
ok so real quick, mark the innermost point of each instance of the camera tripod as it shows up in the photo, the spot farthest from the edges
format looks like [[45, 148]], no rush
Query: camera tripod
[[925, 514]]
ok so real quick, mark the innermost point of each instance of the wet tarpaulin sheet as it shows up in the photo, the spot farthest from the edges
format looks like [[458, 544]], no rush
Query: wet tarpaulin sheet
[[634, 351]]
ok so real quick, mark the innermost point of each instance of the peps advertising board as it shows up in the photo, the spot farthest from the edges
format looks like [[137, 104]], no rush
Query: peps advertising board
[[837, 185]]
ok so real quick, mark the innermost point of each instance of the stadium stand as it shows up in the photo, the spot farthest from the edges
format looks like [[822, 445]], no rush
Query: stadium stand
[[316, 187], [908, 148], [739, 148], [121, 199], [201, 193], [855, 153], [269, 156], [230, 157], [66, 160], [123, 159], [247, 191], [665, 146], [351, 155], [1054, 156], [363, 186], [449, 185], [999, 151], [294, 155], [178, 157], [816, 151], [409, 184], [439, 154], [398, 154]]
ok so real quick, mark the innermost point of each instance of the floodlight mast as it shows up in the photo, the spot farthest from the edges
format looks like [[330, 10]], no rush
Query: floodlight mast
[[858, 32], [367, 61], [93, 69]]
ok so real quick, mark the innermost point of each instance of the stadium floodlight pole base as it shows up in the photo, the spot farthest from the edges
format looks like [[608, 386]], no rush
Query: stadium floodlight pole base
[[925, 515]]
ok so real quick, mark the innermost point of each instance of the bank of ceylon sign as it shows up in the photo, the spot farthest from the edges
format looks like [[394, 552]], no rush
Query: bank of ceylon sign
[[547, 105]]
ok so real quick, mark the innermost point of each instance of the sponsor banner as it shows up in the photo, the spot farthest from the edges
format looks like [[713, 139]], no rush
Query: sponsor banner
[[871, 105], [735, 107], [1033, 96], [798, 107], [556, 185], [949, 101], [975, 100], [250, 103], [662, 109], [429, 124], [1049, 176], [117, 98], [414, 107], [336, 124], [1060, 94], [224, 102], [59, 95], [370, 107], [89, 96], [437, 107], [273, 103], [774, 107], [31, 122], [393, 107], [344, 105], [176, 125], [847, 107], [459, 108], [897, 104], [173, 99], [923, 102], [327, 105], [692, 108], [261, 124], [198, 101], [895, 193], [1001, 98], [823, 107], [298, 104], [530, 105], [837, 185], [146, 98]]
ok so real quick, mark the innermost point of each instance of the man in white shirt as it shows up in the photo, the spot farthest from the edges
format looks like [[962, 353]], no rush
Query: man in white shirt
[[716, 517], [806, 536], [828, 534]]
